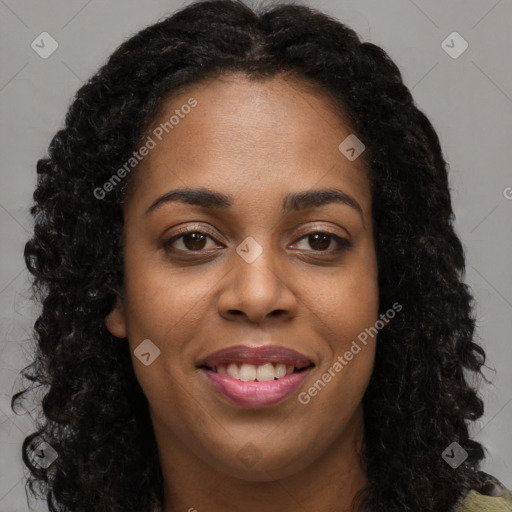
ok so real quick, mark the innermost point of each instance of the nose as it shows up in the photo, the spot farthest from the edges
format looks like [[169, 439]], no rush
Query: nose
[[255, 290]]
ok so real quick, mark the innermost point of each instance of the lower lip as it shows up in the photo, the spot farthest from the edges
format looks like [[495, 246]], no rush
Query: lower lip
[[254, 393]]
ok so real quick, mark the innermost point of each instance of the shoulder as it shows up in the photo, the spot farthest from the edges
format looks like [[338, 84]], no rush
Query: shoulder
[[491, 496]]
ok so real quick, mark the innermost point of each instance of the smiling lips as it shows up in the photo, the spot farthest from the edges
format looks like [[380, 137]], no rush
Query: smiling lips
[[256, 376]]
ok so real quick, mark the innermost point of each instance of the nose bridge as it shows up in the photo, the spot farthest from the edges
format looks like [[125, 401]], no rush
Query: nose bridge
[[255, 285], [256, 266]]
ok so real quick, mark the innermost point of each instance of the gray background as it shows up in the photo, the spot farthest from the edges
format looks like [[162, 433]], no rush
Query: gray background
[[468, 99]]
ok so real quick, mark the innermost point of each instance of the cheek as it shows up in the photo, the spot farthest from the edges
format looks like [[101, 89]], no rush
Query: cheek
[[347, 299], [346, 315], [162, 299], [359, 291], [164, 306]]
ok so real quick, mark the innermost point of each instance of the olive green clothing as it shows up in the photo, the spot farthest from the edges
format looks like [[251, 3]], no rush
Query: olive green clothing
[[491, 496]]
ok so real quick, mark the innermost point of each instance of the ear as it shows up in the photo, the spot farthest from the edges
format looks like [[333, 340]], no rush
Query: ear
[[115, 321]]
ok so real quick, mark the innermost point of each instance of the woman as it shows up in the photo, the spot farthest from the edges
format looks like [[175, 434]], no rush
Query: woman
[[251, 285]]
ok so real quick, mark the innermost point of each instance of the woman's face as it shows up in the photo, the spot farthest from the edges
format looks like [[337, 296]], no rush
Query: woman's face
[[253, 275]]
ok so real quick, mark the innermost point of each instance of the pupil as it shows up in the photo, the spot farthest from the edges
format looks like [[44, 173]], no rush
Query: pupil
[[324, 241], [196, 241], [193, 241]]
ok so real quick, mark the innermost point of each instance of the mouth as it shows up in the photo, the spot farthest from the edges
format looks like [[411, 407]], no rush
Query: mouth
[[256, 373], [255, 376]]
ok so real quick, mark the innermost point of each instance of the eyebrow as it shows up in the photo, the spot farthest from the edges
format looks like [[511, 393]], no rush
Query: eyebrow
[[297, 201]]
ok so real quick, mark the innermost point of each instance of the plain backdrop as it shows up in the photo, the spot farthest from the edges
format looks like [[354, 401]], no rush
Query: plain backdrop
[[467, 97]]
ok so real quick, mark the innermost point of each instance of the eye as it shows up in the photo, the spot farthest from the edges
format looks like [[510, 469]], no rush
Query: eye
[[321, 241], [191, 240], [194, 240]]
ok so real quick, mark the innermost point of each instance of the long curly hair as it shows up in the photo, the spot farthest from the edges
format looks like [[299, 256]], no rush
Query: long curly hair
[[421, 396]]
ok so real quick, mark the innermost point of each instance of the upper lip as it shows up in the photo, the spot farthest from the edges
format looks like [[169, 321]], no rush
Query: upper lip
[[256, 355]]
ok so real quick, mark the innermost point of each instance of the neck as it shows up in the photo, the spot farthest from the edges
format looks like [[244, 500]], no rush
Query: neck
[[328, 484]]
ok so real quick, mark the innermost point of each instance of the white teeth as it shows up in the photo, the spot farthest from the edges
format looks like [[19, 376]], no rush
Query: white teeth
[[233, 371], [266, 372], [261, 373], [281, 370], [247, 372]]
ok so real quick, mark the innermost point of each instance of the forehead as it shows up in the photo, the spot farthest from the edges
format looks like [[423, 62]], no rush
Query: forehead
[[248, 135]]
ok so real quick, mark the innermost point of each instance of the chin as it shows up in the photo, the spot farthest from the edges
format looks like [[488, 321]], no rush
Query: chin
[[254, 465]]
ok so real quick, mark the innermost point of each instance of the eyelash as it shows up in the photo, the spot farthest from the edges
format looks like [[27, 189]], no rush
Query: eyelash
[[343, 243]]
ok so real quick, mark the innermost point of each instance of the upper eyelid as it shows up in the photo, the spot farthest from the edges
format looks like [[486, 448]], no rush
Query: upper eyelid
[[200, 229], [304, 231], [205, 231]]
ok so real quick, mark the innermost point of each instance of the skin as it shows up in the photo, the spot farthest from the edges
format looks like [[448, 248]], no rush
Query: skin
[[255, 141]]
